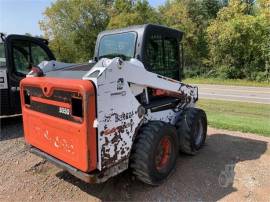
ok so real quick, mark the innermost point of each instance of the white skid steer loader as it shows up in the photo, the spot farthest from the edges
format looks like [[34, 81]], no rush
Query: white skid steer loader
[[126, 109]]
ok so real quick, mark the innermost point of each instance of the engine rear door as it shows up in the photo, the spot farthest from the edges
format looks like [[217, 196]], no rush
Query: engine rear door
[[22, 52], [58, 117]]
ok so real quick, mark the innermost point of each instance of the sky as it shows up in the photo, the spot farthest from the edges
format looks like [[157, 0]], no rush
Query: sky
[[22, 16]]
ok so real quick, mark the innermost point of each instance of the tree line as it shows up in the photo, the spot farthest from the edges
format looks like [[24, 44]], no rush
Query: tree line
[[226, 39]]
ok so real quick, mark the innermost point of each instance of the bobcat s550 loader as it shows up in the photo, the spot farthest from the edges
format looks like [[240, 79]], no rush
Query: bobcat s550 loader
[[127, 110]]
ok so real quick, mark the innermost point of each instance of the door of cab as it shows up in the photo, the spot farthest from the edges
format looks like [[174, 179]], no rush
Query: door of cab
[[22, 52]]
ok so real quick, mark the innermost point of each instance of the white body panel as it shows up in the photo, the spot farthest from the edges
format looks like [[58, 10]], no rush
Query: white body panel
[[117, 83]]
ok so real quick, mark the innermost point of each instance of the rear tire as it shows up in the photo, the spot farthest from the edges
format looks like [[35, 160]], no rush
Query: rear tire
[[191, 130], [154, 152]]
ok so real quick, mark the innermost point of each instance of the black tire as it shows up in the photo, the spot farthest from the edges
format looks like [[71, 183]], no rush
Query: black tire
[[146, 162], [191, 130]]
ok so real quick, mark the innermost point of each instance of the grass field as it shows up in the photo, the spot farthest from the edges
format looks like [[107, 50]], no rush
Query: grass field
[[239, 116], [235, 82]]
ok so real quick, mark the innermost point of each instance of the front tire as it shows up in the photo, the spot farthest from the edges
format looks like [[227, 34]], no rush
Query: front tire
[[191, 130], [154, 152]]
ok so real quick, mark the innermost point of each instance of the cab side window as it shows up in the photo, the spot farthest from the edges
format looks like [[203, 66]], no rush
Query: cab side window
[[163, 56], [21, 56], [26, 54], [154, 52]]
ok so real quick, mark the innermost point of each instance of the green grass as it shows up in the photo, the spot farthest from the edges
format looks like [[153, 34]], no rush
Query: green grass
[[235, 82], [237, 116]]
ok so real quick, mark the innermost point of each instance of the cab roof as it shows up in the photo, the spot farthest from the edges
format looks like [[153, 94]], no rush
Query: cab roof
[[143, 28]]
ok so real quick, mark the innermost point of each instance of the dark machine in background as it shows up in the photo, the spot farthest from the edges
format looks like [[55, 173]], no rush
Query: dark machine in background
[[18, 53]]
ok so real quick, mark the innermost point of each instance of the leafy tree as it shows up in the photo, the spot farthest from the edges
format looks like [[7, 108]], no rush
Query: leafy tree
[[72, 26], [239, 43], [192, 17], [230, 39], [126, 13], [211, 7]]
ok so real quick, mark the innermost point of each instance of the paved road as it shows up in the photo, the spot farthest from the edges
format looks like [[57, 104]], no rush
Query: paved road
[[235, 93]]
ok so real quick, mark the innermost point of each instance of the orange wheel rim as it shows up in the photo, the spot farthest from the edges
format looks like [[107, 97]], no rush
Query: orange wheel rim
[[163, 153]]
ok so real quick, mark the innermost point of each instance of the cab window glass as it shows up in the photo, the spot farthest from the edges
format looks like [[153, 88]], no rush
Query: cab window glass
[[2, 55], [170, 53], [27, 54], [21, 56], [162, 55], [154, 52], [114, 45], [171, 58]]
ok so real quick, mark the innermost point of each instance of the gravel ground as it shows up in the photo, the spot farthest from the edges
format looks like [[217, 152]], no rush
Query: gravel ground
[[231, 166]]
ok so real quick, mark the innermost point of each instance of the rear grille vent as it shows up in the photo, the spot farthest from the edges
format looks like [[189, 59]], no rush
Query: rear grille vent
[[66, 105]]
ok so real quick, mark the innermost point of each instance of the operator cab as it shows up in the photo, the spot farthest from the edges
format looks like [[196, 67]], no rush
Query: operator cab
[[157, 47], [18, 53]]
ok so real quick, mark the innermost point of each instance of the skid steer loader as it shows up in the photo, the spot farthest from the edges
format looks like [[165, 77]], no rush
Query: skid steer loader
[[127, 109]]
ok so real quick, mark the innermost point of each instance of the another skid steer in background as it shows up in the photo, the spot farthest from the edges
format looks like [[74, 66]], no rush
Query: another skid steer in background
[[127, 109], [17, 55]]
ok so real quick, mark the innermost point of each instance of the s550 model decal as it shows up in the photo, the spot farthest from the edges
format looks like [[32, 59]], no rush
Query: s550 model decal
[[64, 110], [3, 79]]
